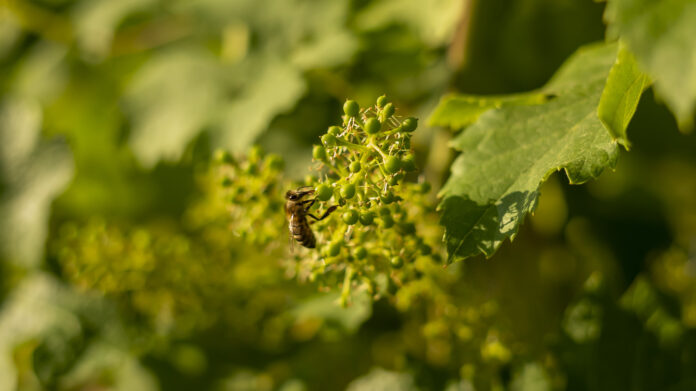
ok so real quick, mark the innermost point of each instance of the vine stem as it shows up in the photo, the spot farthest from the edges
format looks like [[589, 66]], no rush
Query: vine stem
[[345, 293]]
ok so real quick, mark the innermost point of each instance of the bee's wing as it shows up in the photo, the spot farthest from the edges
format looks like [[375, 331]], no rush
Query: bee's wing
[[305, 190], [292, 240]]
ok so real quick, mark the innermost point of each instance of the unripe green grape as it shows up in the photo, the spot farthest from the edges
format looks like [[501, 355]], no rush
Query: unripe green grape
[[334, 248], [371, 193], [384, 211], [335, 130], [360, 253], [351, 108], [409, 162], [381, 101], [387, 221], [397, 262], [392, 165], [396, 178], [350, 217], [367, 218], [323, 192], [388, 110], [347, 191], [410, 124], [387, 198], [355, 167], [328, 139], [372, 125], [319, 153]]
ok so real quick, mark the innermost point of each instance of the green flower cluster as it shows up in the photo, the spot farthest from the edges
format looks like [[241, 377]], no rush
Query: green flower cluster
[[383, 222], [175, 281], [252, 189], [374, 239]]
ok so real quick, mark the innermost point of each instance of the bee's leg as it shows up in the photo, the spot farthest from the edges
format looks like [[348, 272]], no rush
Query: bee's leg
[[311, 202], [325, 215]]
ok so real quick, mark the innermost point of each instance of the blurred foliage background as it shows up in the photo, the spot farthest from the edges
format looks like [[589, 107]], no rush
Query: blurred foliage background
[[118, 270]]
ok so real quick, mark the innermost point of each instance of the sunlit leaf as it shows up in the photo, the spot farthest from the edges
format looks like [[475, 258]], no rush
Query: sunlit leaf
[[621, 95], [325, 308], [433, 20], [531, 377], [32, 173], [457, 111], [662, 35], [96, 22], [381, 380], [511, 150], [273, 89]]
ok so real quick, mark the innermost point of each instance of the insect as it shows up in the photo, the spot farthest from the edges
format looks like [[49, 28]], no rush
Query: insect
[[297, 211]]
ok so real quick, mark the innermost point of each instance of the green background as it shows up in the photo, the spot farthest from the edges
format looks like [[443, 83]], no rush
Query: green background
[[110, 111]]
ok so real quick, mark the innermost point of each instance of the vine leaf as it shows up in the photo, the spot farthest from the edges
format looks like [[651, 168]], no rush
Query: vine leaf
[[457, 111], [619, 101], [179, 93], [662, 35], [511, 150], [33, 172]]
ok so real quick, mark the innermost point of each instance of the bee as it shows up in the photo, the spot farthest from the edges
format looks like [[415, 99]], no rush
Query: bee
[[297, 211]]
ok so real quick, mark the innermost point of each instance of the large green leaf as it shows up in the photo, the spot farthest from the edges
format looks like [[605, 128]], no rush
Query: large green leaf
[[510, 150], [433, 20], [234, 92], [459, 110], [32, 173], [662, 35], [625, 85], [72, 338]]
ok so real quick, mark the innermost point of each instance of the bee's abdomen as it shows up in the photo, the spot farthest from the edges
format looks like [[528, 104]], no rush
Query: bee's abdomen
[[302, 233]]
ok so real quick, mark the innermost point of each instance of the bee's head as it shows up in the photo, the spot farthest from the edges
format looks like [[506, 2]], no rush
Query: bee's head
[[292, 195], [296, 195]]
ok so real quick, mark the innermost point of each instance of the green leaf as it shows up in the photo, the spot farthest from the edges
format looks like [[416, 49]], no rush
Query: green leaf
[[381, 380], [275, 89], [433, 20], [510, 150], [72, 337], [96, 22], [457, 111], [324, 307], [621, 95], [662, 35], [531, 377], [32, 173], [179, 93]]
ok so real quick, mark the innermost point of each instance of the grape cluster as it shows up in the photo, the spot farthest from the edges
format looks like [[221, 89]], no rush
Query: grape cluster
[[374, 239], [382, 225], [252, 189]]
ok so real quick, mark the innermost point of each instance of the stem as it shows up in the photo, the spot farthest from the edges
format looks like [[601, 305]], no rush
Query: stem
[[345, 293], [376, 148], [348, 144]]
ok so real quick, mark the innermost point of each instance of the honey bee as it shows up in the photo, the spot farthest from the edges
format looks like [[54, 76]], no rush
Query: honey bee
[[297, 211]]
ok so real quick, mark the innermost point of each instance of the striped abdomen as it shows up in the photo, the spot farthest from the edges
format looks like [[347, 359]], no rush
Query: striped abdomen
[[300, 231]]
